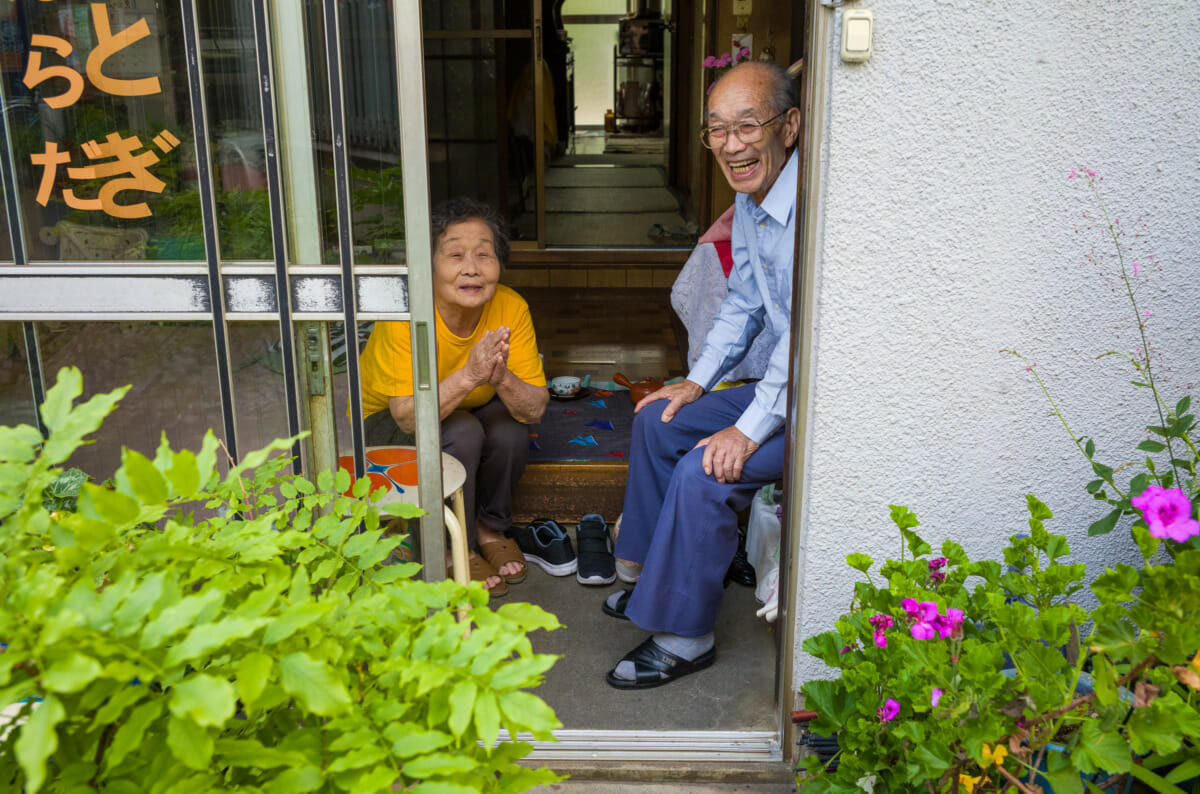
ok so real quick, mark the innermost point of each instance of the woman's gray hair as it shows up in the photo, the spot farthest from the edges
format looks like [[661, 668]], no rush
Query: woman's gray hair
[[462, 208]]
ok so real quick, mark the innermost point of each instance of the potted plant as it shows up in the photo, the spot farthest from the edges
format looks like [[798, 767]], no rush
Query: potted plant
[[186, 630]]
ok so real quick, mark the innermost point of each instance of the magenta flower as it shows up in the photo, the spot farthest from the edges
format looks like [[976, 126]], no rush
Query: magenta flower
[[744, 53], [1135, 268], [938, 564], [882, 621], [937, 577], [1168, 513], [847, 649], [888, 711], [880, 639], [709, 62], [922, 630], [935, 696], [950, 624], [725, 60]]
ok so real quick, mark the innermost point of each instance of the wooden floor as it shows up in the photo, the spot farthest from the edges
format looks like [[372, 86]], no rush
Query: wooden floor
[[600, 332]]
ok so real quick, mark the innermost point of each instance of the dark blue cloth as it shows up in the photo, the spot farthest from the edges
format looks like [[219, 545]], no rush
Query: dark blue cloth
[[679, 522]]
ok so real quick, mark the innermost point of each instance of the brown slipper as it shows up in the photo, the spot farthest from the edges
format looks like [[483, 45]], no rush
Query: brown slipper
[[500, 552], [480, 569]]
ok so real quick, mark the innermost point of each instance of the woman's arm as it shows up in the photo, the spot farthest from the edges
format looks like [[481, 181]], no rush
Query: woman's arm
[[524, 401], [488, 354]]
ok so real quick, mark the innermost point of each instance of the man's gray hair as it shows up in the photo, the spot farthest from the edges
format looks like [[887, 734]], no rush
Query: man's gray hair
[[781, 91]]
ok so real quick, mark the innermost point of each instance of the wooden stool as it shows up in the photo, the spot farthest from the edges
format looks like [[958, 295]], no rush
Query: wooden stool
[[395, 468]]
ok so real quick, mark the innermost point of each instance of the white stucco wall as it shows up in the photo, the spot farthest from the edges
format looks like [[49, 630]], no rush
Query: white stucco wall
[[949, 233]]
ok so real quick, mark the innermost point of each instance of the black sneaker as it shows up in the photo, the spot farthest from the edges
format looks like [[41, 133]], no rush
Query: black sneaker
[[596, 564], [545, 543]]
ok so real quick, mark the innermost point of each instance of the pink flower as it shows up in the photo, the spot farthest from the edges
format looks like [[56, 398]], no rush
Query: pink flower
[[847, 649], [888, 711], [1071, 175], [725, 60], [922, 630], [950, 624], [709, 62], [1168, 513], [880, 639], [938, 564], [744, 52], [937, 577], [935, 696], [882, 621], [1135, 268]]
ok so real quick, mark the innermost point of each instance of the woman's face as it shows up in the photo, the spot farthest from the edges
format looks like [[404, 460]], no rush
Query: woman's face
[[465, 267]]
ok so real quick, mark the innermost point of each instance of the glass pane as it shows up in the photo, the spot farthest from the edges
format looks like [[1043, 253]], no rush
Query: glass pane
[[6, 255], [235, 128], [481, 125], [372, 131], [105, 161], [16, 396], [171, 367], [259, 396], [448, 15]]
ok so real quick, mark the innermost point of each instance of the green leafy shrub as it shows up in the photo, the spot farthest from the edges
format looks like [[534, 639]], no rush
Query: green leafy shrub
[[969, 676], [266, 647]]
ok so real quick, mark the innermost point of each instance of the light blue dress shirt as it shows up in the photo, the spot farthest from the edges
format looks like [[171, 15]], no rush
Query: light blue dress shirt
[[759, 301]]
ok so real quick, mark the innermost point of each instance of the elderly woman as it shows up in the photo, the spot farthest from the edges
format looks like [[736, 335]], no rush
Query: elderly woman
[[490, 377]]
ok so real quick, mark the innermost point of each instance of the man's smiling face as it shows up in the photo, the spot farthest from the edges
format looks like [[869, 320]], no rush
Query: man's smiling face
[[744, 95]]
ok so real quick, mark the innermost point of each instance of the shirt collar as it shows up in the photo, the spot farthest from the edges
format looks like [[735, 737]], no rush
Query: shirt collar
[[781, 198]]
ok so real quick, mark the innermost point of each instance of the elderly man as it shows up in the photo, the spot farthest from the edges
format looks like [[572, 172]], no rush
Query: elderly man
[[697, 457]]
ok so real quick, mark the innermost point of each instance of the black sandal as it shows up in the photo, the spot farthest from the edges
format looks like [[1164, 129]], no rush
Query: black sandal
[[654, 666], [617, 612]]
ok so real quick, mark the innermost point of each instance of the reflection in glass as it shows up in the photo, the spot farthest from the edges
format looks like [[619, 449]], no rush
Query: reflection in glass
[[104, 157], [372, 131], [16, 395], [6, 254], [231, 94], [171, 368], [259, 396]]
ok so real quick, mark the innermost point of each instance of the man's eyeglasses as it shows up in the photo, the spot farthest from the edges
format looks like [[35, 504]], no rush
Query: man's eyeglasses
[[749, 131]]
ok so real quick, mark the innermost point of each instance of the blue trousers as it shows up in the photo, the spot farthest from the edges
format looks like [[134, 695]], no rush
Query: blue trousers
[[679, 522]]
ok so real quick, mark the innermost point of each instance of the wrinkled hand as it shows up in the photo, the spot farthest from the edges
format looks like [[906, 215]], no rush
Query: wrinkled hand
[[680, 394], [488, 359], [725, 452]]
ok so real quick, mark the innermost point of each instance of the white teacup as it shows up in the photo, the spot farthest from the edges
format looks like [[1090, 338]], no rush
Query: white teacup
[[564, 385]]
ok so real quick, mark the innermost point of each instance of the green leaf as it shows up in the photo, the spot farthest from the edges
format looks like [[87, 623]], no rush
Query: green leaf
[[295, 781], [203, 640], [462, 704], [916, 545], [252, 673], [522, 672], [295, 618], [111, 506], [860, 562], [487, 718], [438, 764], [204, 699], [129, 736], [145, 481], [178, 616], [903, 517], [1106, 524], [529, 711], [1154, 781], [1061, 774], [314, 684], [1100, 750], [1182, 406], [71, 674], [184, 474], [189, 743], [38, 740], [57, 405], [1151, 446], [409, 740], [832, 701], [19, 444]]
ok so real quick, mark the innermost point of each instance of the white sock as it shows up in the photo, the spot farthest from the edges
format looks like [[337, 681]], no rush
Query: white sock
[[688, 648]]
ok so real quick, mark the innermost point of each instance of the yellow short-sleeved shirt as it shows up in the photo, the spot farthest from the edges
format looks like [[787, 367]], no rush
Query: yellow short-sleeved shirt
[[387, 358]]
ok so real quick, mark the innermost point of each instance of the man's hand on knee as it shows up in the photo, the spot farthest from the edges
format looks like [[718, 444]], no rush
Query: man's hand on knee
[[680, 394], [725, 453]]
